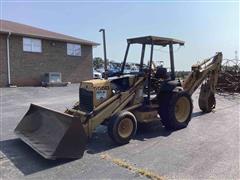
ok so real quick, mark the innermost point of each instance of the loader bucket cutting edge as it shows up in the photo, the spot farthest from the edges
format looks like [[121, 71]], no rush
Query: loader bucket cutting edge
[[52, 134]]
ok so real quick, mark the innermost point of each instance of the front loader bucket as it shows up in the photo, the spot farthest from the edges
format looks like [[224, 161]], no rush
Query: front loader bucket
[[52, 134]]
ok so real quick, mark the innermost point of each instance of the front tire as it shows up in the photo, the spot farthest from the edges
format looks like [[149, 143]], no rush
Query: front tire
[[122, 127], [175, 109]]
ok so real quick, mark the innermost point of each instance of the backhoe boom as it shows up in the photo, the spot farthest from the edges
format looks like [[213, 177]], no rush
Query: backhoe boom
[[206, 70]]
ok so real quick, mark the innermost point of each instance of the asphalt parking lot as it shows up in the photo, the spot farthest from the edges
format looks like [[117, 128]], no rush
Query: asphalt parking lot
[[207, 149]]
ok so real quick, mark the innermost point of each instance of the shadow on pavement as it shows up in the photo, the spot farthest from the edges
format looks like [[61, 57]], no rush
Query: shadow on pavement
[[26, 159], [151, 130], [101, 142], [196, 114]]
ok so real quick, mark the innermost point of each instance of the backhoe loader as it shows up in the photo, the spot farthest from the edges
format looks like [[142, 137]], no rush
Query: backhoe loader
[[121, 103]]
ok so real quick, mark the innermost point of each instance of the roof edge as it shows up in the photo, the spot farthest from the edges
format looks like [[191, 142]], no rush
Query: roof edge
[[51, 38]]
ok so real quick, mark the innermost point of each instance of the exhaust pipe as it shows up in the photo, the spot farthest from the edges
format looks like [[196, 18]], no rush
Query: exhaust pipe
[[105, 54]]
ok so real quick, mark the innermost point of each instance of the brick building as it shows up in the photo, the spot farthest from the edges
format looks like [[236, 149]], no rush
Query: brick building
[[27, 53]]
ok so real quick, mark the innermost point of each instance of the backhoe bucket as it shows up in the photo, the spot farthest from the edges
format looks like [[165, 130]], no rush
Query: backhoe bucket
[[52, 134]]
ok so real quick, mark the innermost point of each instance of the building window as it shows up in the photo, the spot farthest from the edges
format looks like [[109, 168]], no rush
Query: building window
[[73, 49], [32, 45]]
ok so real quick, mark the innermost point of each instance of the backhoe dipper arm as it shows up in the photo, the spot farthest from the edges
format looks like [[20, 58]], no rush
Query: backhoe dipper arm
[[206, 70]]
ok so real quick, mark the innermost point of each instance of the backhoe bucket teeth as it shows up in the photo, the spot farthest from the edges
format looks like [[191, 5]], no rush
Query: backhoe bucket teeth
[[52, 134]]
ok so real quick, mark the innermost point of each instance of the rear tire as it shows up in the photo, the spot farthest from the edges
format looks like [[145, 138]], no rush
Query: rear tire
[[175, 109], [122, 127]]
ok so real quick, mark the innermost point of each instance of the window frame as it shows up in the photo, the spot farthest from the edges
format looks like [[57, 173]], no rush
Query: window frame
[[74, 49], [32, 45]]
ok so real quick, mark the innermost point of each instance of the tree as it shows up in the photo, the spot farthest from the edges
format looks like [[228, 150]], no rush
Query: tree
[[98, 62]]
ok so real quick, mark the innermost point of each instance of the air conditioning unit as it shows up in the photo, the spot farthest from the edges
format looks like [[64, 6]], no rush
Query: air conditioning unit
[[53, 79]]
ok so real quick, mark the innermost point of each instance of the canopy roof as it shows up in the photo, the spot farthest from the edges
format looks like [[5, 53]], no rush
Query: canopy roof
[[162, 41]]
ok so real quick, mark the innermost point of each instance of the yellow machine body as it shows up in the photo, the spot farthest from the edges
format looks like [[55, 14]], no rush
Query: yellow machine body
[[100, 89], [146, 116], [55, 134]]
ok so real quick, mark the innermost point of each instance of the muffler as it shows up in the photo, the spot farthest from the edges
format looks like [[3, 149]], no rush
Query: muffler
[[52, 134]]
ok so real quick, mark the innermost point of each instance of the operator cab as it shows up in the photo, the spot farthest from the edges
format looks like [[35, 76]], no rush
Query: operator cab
[[159, 76], [156, 79]]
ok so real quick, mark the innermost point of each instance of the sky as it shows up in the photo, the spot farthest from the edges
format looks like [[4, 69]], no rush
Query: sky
[[206, 27]]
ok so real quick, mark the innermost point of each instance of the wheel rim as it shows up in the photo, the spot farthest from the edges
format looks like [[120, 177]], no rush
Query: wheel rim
[[125, 127], [182, 109]]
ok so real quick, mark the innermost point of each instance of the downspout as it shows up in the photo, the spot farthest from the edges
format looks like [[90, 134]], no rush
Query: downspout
[[8, 60]]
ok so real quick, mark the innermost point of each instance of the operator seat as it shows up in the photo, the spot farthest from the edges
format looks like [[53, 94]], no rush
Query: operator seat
[[161, 73]]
